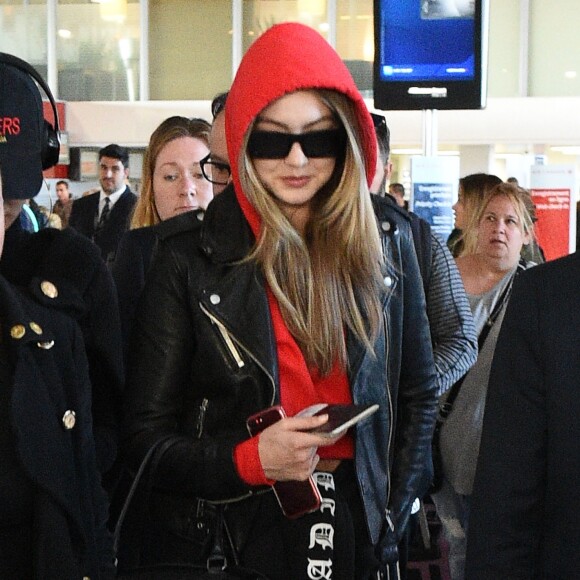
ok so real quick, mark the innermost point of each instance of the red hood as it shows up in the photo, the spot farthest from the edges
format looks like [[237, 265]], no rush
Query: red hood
[[286, 58]]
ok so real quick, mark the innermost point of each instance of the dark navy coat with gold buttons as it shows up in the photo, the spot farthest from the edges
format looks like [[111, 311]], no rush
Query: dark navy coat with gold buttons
[[62, 270], [52, 425]]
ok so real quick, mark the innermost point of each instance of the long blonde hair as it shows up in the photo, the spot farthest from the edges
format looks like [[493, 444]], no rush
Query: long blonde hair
[[145, 212], [330, 279]]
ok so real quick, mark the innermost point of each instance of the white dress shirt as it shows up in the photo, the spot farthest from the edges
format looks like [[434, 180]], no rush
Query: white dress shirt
[[113, 198]]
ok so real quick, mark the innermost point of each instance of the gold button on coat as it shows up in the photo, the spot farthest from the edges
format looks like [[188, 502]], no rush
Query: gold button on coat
[[35, 328], [69, 419], [48, 289], [17, 331]]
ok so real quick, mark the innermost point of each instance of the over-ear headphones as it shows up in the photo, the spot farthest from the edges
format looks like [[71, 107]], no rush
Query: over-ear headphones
[[50, 140]]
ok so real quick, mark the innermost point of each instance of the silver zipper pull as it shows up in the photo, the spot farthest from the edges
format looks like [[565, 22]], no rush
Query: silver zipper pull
[[389, 520], [226, 337], [201, 417], [230, 344]]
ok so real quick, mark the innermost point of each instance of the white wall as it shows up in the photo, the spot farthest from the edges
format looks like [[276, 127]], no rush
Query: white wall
[[532, 120]]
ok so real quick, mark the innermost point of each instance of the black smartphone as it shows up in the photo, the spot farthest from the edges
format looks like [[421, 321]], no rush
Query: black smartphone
[[296, 498], [340, 417]]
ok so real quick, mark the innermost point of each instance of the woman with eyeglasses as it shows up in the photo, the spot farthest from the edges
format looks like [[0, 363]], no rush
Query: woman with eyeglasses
[[173, 183], [290, 292]]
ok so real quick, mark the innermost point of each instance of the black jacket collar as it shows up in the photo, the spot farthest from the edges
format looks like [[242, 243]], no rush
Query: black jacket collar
[[226, 235]]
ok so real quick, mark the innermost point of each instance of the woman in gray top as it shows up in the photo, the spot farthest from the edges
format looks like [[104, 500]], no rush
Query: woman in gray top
[[503, 227]]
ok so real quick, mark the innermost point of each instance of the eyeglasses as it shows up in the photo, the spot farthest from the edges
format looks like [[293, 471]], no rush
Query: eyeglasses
[[378, 120], [215, 172], [276, 145]]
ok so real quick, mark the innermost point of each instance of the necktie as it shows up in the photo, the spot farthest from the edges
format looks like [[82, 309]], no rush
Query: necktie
[[105, 213]]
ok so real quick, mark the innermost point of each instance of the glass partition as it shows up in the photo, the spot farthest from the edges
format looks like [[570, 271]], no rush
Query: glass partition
[[355, 41], [23, 31], [98, 50], [259, 15], [190, 48], [554, 68]]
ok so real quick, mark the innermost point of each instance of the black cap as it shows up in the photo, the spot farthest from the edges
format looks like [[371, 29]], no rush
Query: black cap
[[21, 134]]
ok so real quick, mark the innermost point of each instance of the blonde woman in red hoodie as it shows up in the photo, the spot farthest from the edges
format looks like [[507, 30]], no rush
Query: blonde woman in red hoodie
[[295, 289]]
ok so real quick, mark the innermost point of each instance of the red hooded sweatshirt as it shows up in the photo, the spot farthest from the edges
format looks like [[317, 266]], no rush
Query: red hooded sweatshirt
[[286, 58]]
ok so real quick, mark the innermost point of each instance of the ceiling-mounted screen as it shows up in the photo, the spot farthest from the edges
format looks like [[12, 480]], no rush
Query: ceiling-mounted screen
[[430, 54]]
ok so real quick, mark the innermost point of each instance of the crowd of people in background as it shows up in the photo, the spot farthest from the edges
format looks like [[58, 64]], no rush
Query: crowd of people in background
[[268, 264]]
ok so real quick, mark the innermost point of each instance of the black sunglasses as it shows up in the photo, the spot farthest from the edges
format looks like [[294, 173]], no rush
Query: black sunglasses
[[214, 171], [275, 145]]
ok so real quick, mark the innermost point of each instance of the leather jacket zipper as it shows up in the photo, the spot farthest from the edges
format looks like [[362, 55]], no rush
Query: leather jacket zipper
[[231, 346], [391, 425], [235, 353], [229, 343], [386, 253], [201, 418]]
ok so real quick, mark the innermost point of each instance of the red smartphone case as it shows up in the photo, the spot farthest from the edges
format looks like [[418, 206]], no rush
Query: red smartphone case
[[264, 418], [296, 498]]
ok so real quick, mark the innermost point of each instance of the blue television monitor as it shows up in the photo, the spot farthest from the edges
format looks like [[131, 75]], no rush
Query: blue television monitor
[[430, 54]]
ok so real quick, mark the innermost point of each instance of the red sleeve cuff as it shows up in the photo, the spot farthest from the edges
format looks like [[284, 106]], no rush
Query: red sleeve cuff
[[247, 460]]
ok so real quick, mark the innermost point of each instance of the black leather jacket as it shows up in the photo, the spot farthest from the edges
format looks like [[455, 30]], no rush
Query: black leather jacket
[[203, 358]]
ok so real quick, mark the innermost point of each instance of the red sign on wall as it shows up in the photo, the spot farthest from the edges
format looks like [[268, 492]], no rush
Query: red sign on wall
[[553, 226], [553, 192]]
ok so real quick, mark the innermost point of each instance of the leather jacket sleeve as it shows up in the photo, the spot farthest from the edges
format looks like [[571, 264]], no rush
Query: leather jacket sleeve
[[163, 386], [415, 400]]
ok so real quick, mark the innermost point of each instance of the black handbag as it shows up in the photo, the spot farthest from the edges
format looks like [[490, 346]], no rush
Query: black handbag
[[447, 406], [216, 567]]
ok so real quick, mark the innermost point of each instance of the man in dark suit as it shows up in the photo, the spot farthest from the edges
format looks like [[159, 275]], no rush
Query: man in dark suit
[[525, 512], [104, 216]]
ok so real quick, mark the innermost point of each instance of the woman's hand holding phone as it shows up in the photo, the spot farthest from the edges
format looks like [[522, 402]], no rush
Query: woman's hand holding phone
[[288, 450], [289, 456]]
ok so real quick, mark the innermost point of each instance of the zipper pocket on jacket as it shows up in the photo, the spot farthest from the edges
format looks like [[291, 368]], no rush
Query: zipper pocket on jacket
[[391, 411], [201, 418], [227, 339]]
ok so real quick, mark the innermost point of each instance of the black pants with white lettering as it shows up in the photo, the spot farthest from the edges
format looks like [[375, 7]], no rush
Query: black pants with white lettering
[[329, 544]]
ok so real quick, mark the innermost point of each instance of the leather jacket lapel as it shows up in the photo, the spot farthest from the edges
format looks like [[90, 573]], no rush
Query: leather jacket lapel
[[227, 239], [247, 322]]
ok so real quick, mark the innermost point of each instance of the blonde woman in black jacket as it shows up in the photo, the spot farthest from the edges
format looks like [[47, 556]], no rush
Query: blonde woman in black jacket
[[294, 289]]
